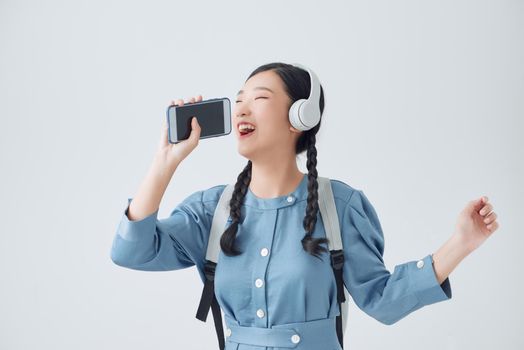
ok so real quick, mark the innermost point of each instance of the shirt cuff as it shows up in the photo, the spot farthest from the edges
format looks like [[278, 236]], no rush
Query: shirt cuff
[[135, 230], [425, 284]]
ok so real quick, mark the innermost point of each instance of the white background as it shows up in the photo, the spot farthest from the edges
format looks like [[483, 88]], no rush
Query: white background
[[424, 107]]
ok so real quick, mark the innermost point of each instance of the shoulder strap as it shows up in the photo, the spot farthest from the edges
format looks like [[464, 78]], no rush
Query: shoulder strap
[[208, 298], [328, 211], [220, 217]]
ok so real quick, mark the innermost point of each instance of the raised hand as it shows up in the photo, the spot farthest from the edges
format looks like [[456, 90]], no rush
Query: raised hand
[[175, 153], [476, 223]]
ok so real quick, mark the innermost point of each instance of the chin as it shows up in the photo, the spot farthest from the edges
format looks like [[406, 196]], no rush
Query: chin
[[245, 152]]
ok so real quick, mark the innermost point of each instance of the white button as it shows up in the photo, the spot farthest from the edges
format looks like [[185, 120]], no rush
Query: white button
[[260, 313], [290, 199], [228, 332], [264, 251], [420, 264], [259, 282], [295, 338]]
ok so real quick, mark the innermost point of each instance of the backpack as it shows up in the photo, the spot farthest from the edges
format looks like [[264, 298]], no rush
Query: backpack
[[329, 215]]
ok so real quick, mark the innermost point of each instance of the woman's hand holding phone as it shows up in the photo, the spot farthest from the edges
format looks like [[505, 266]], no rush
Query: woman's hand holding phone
[[152, 189], [173, 154]]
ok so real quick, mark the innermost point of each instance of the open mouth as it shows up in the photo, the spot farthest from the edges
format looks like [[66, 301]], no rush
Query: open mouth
[[245, 129], [246, 132]]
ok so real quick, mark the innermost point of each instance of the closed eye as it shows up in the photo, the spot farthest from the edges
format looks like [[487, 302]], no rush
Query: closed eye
[[255, 99]]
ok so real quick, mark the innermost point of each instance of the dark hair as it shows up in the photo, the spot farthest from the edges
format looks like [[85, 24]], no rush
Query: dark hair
[[297, 86]]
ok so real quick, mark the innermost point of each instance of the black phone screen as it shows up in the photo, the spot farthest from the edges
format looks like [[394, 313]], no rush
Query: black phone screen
[[210, 116]]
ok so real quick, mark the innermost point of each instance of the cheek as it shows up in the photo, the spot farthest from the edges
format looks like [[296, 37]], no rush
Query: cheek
[[272, 121], [273, 135], [277, 118]]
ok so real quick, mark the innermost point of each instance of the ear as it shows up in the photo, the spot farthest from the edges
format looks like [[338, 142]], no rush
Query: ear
[[292, 129]]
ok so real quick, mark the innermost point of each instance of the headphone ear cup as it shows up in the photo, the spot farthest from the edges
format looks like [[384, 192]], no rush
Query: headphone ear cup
[[310, 113], [294, 115]]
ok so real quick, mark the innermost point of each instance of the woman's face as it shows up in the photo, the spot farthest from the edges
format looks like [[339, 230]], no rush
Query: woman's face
[[263, 103]]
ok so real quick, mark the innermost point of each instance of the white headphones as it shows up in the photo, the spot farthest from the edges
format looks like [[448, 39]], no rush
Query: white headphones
[[304, 114]]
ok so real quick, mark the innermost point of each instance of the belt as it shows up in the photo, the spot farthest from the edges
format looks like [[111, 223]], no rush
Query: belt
[[315, 334]]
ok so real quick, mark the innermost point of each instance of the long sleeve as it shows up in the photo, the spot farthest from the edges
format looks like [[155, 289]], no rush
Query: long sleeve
[[151, 244], [385, 296]]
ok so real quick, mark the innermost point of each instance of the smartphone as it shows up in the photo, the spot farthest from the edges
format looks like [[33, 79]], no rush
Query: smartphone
[[213, 115]]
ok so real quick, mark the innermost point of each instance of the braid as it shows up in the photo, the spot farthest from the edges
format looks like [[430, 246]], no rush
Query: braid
[[298, 86], [227, 240], [309, 244]]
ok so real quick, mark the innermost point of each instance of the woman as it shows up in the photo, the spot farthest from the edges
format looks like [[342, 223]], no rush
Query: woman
[[273, 270]]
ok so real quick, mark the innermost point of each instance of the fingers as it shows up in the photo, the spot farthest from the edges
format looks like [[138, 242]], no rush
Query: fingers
[[181, 102], [177, 102], [492, 227], [490, 217], [196, 98], [486, 209]]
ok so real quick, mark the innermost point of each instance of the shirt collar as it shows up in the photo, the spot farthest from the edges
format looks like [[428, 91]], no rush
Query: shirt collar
[[300, 193]]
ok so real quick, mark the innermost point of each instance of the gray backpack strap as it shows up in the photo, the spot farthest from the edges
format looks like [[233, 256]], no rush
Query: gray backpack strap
[[208, 299], [328, 210], [220, 217]]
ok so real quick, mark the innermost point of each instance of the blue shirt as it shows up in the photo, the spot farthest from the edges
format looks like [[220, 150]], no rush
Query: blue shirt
[[275, 281]]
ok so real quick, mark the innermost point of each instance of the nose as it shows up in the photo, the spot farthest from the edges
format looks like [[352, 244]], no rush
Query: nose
[[241, 109]]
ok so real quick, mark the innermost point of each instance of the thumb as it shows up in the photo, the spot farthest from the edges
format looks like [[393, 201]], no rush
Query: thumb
[[478, 203], [195, 127]]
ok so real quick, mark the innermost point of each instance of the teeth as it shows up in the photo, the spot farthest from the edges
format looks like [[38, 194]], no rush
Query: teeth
[[242, 127]]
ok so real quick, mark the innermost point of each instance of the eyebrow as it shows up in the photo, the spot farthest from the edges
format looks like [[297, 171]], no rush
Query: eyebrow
[[257, 88]]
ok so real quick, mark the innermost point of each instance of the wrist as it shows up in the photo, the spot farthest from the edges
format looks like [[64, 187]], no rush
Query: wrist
[[460, 245], [162, 167]]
